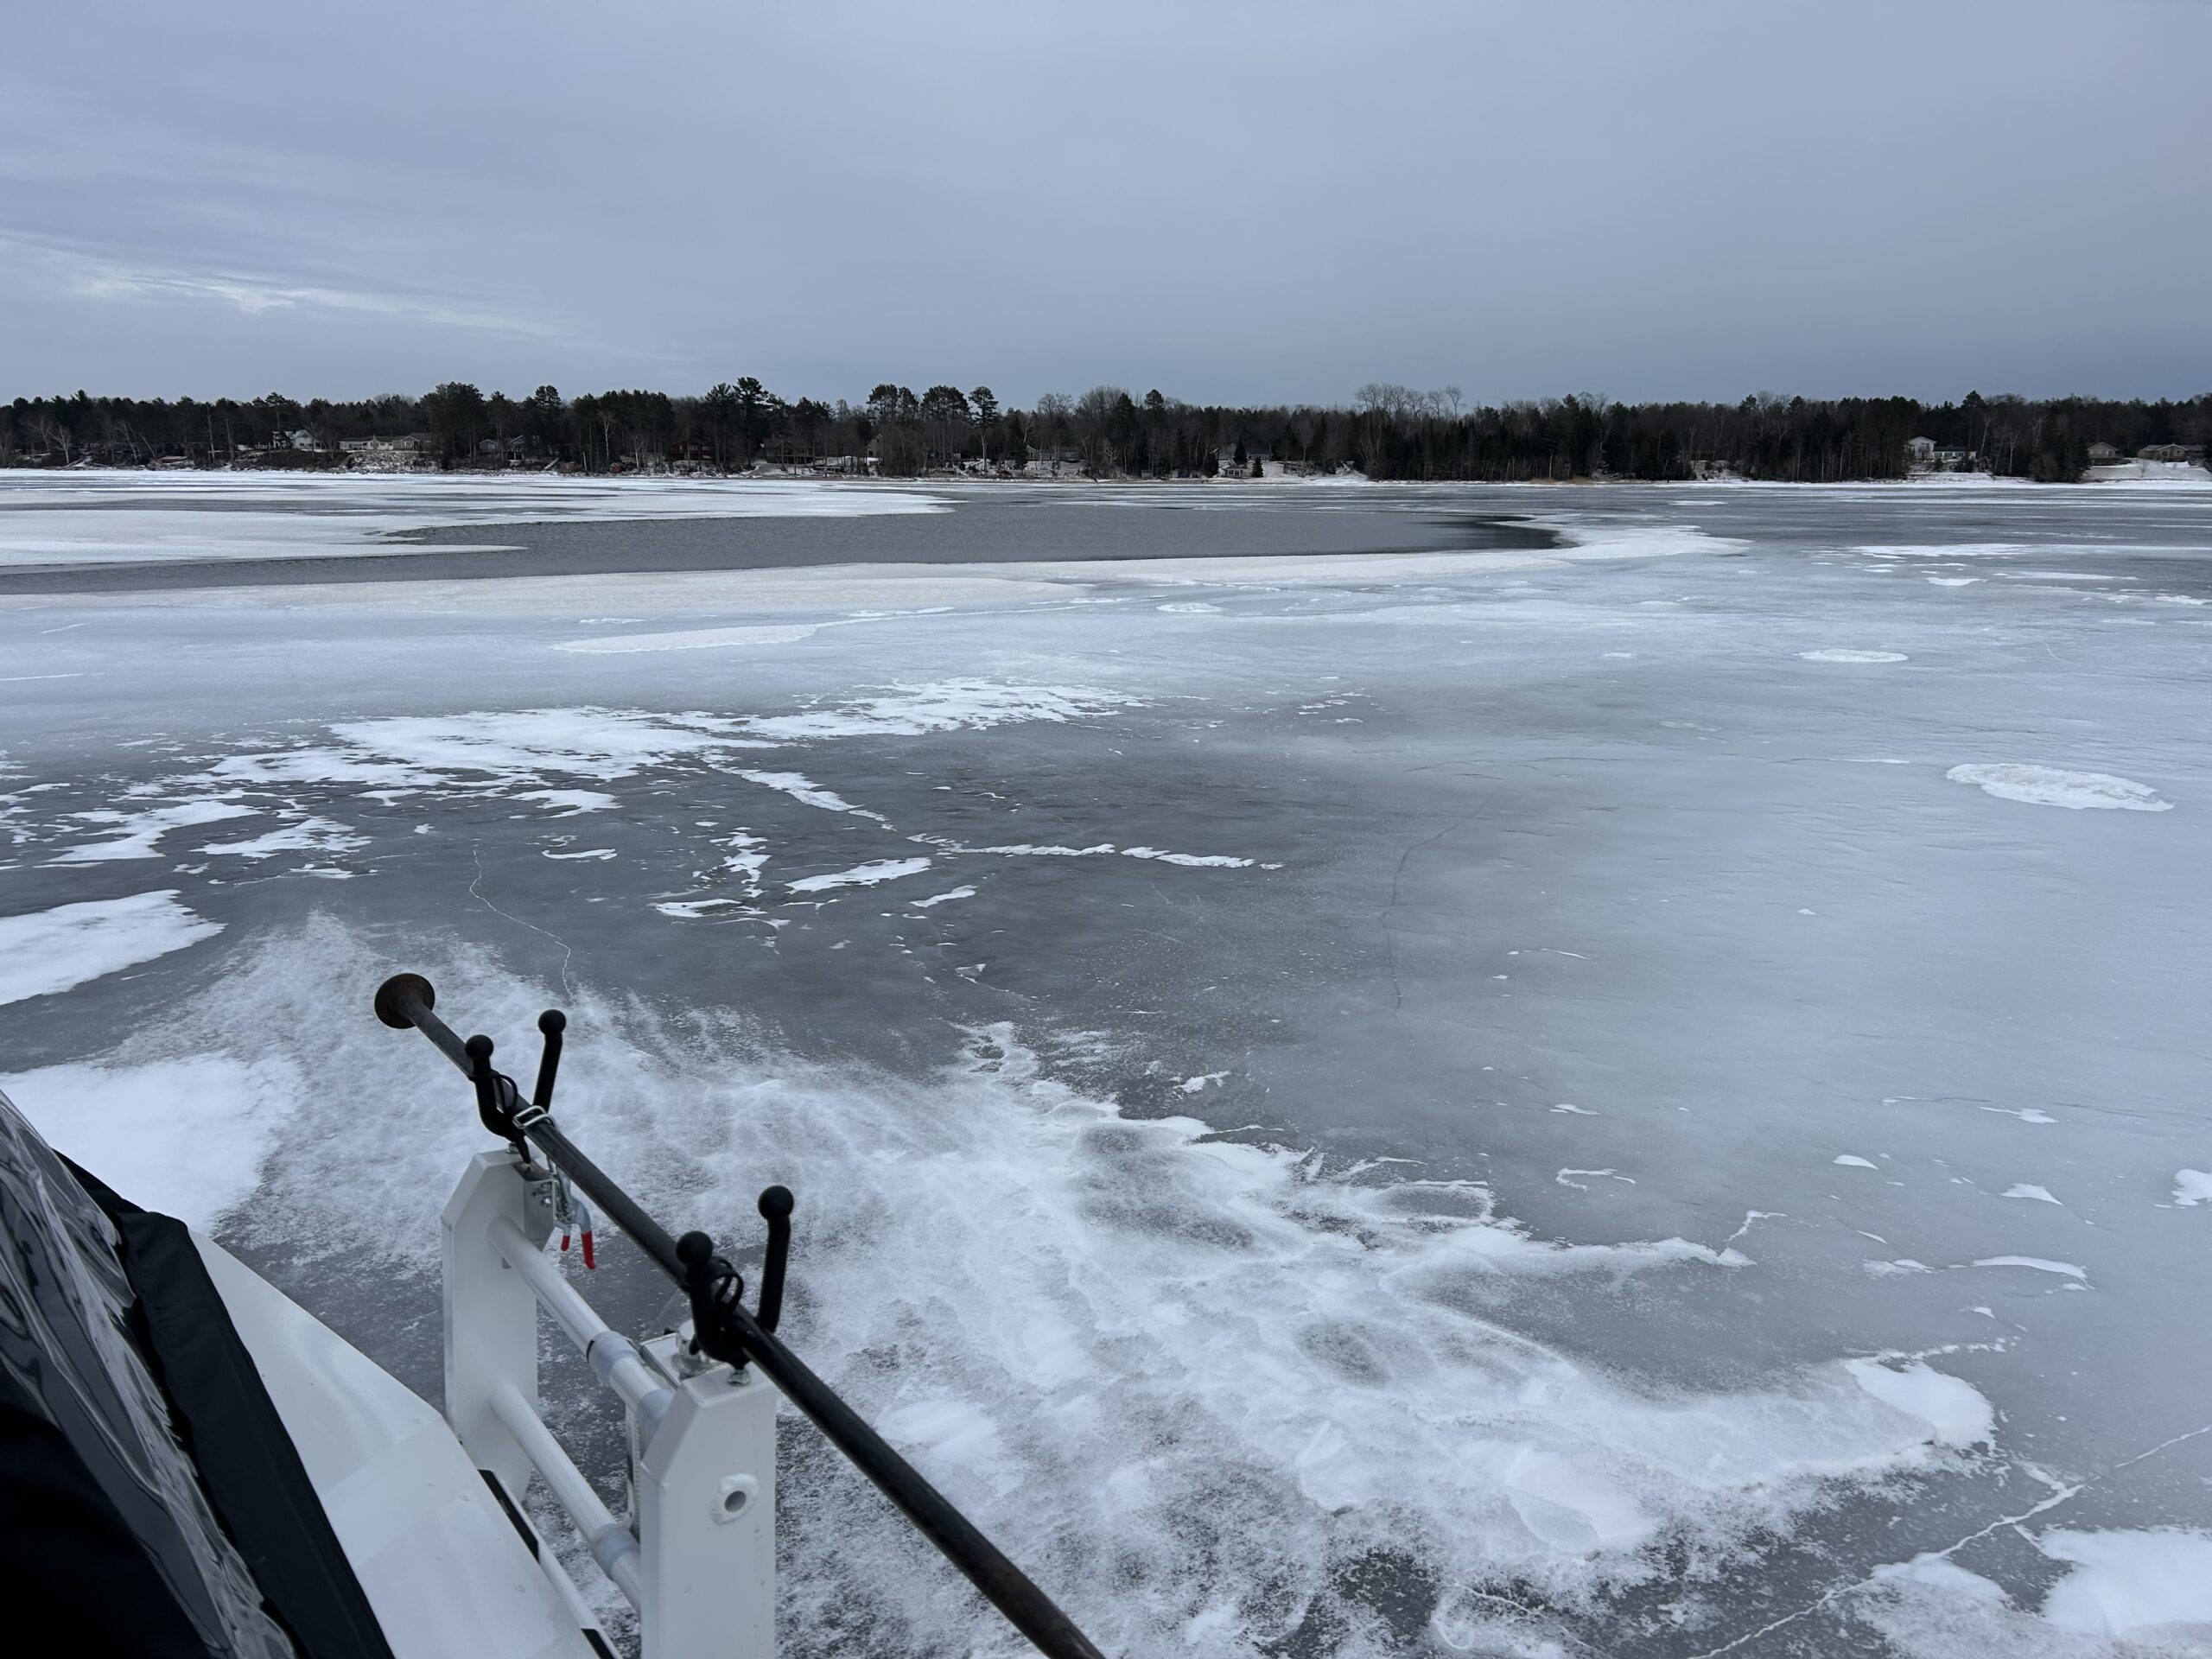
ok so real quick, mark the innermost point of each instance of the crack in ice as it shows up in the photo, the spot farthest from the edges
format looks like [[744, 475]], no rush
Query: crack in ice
[[2063, 1495], [476, 855]]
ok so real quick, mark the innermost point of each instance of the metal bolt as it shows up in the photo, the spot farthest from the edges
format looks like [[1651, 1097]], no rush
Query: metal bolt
[[735, 1497]]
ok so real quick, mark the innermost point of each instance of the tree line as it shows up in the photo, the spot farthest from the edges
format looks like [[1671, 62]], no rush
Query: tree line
[[1386, 432]]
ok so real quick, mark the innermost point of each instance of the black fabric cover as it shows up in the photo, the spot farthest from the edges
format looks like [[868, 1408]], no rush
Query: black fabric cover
[[248, 1466], [107, 1543], [151, 1505], [74, 1578]]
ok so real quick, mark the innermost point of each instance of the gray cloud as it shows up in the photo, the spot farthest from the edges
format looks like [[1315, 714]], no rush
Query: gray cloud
[[1224, 202]]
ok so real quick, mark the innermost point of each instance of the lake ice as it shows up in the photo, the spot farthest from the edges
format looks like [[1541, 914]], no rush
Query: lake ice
[[1372, 1086]]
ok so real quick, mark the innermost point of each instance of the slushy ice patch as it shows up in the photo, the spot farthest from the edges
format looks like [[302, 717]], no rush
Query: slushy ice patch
[[51, 950], [137, 835], [447, 751], [183, 1137], [1104, 848], [862, 876], [2131, 1583], [2125, 1593], [310, 834], [943, 898], [943, 706], [1953, 1409], [807, 792], [1594, 538], [1194, 1384], [540, 756], [496, 750], [2050, 786]]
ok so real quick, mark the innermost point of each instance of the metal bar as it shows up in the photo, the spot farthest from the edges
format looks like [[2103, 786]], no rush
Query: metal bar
[[565, 1587], [613, 1356], [613, 1546], [549, 1565], [443, 1035], [404, 1001]]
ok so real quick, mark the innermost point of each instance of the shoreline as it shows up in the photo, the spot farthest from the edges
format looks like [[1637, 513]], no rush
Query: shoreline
[[2127, 473]]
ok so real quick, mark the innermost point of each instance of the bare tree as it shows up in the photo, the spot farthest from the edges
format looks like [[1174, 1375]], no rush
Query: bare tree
[[1094, 419], [52, 435], [1050, 429]]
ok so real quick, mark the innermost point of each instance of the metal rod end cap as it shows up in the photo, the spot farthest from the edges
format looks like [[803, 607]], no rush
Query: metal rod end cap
[[397, 988]]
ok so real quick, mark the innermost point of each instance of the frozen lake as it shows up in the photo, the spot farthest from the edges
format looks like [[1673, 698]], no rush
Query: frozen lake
[[1610, 1071]]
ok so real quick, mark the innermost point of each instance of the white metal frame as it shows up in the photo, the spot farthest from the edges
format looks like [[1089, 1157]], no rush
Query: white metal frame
[[696, 1554]]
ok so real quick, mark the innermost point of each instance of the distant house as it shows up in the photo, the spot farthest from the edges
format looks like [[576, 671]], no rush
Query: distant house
[[1920, 452], [1952, 460], [366, 452], [2102, 455], [2182, 452]]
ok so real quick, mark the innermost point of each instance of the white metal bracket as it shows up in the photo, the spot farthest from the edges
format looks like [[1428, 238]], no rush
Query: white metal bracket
[[491, 1313], [706, 1498]]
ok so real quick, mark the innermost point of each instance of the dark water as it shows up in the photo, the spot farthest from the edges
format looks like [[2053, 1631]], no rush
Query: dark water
[[993, 526]]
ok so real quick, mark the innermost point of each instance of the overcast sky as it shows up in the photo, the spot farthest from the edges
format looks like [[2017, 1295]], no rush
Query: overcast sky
[[1227, 202]]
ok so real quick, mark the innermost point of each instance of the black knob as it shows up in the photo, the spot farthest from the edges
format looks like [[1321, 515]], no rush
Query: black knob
[[775, 1204], [696, 1252], [552, 1022]]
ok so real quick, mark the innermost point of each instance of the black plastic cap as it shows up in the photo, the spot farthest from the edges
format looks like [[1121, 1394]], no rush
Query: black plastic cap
[[776, 1203], [695, 1251], [393, 990], [552, 1021], [479, 1048]]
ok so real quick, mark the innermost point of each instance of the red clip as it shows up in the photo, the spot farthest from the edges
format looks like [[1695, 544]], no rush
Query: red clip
[[588, 1259], [564, 1239]]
